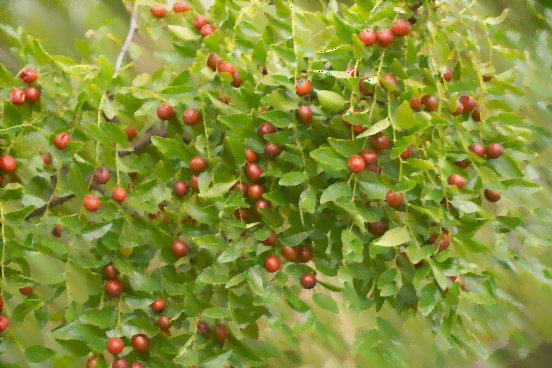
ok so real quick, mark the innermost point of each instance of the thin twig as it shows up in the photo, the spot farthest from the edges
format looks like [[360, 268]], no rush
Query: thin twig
[[127, 41], [55, 202]]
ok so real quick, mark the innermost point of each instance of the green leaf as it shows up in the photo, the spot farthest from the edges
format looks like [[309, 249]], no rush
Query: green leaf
[[376, 128], [328, 156], [293, 178], [184, 33], [216, 312], [38, 354], [307, 200], [330, 100], [335, 191], [217, 361], [217, 190], [420, 164], [405, 116], [394, 237], [326, 302], [304, 323], [25, 308], [352, 246]]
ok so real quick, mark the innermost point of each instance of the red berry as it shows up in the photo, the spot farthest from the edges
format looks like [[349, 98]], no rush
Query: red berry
[[180, 7], [379, 141], [57, 231], [91, 203], [120, 363], [478, 149], [460, 280], [164, 323], [8, 164], [390, 78], [212, 61], [394, 199], [272, 263], [385, 37], [226, 67], [457, 180], [101, 175], [198, 164], [158, 10], [242, 186], [272, 150], [27, 290], [140, 343], [289, 253], [459, 108], [462, 164], [28, 75], [180, 188], [447, 75], [114, 288], [32, 94], [250, 155], [159, 305], [61, 140], [115, 345], [304, 254], [118, 194], [367, 89], [202, 328], [138, 365], [407, 153], [401, 28], [221, 332], [356, 163], [476, 114], [494, 150], [262, 204], [487, 78], [180, 248], [92, 362], [468, 102], [265, 128], [1, 180], [271, 239], [304, 114], [224, 100], [199, 22], [194, 181], [367, 36], [443, 240], [377, 228], [253, 171], [236, 80], [17, 96], [431, 103], [207, 30], [242, 213], [131, 133], [165, 111], [4, 323], [492, 196], [302, 86], [308, 280], [191, 117], [110, 271], [255, 191], [415, 103], [369, 156]]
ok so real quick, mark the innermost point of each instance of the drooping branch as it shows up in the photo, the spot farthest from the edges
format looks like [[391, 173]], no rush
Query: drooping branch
[[127, 41], [162, 132], [57, 201]]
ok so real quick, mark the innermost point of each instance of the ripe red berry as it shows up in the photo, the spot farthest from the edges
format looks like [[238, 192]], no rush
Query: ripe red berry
[[32, 94], [191, 117], [367, 36], [114, 288], [57, 231], [476, 114], [158, 10], [165, 111], [28, 75], [494, 150], [478, 149], [202, 328], [213, 61], [226, 67], [92, 362], [194, 181], [4, 323], [253, 171], [457, 180], [431, 103], [119, 194], [308, 280], [159, 305], [272, 150], [164, 323], [272, 263], [356, 164], [271, 239], [407, 153], [199, 22], [366, 89], [207, 30], [447, 75], [224, 100], [459, 108], [110, 271], [120, 363], [415, 103], [492, 196], [379, 141], [468, 102], [385, 37], [462, 164], [180, 188], [8, 164], [61, 140], [460, 280], [394, 199], [241, 213], [27, 290], [265, 128], [377, 228], [180, 248], [390, 78], [289, 253], [101, 175], [443, 239], [255, 191], [131, 132], [91, 203], [115, 345], [304, 114], [304, 254], [250, 155], [138, 365], [236, 80], [1, 304], [401, 28], [369, 156], [487, 78], [198, 164], [181, 7], [221, 332], [242, 186], [140, 343], [17, 96], [302, 86], [262, 204]]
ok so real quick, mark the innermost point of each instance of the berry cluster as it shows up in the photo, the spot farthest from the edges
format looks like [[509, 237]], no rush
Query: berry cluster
[[30, 94]]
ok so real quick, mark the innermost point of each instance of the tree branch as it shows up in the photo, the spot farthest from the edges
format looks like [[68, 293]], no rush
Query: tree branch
[[53, 203], [127, 41]]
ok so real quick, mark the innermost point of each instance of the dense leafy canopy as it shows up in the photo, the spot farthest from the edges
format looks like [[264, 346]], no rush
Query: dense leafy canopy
[[403, 249]]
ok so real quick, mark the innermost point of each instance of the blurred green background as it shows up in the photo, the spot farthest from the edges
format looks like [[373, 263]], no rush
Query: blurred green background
[[515, 329]]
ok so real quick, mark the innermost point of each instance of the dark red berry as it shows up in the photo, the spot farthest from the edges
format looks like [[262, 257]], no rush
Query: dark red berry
[[101, 175], [28, 75], [110, 271], [377, 228], [213, 61], [221, 332], [242, 186], [265, 128], [131, 132], [253, 171], [385, 37], [379, 141], [468, 102], [199, 22], [369, 156], [180, 248], [236, 80], [207, 30], [165, 111], [140, 343], [476, 114], [487, 78], [457, 180], [91, 203], [115, 345], [492, 196], [272, 150], [463, 164], [242, 213], [120, 363], [367, 36], [92, 362], [459, 108], [138, 364], [198, 164], [57, 231], [17, 96], [304, 254], [194, 181], [407, 153], [394, 199], [302, 87], [415, 103], [27, 290], [401, 28], [180, 188], [447, 75], [226, 67], [159, 305], [250, 155], [308, 280], [262, 204], [32, 94], [255, 191], [164, 323], [478, 149], [366, 89], [272, 263], [289, 253], [494, 150], [443, 240], [389, 78], [4, 323], [8, 164], [202, 328], [271, 239], [191, 117], [114, 288], [304, 114], [431, 103]]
